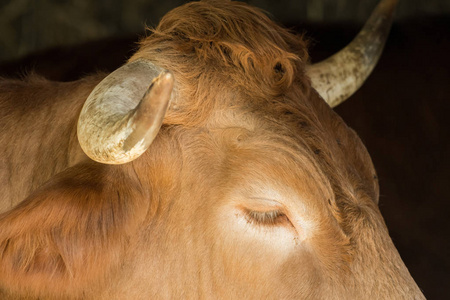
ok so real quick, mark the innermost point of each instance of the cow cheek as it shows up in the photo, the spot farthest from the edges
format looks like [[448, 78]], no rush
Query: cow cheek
[[261, 259]]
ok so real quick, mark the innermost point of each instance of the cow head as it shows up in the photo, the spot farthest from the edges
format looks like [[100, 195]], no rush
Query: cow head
[[238, 180]]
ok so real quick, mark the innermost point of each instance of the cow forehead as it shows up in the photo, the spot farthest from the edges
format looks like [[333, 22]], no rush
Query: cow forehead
[[292, 149], [260, 152], [217, 47]]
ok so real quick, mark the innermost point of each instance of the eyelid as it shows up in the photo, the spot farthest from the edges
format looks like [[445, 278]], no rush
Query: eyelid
[[263, 211], [261, 204], [274, 217]]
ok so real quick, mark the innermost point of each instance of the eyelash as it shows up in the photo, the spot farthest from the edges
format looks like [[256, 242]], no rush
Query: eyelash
[[269, 218]]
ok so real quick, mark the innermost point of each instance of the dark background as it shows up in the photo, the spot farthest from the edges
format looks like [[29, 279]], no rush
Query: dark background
[[30, 25], [401, 113]]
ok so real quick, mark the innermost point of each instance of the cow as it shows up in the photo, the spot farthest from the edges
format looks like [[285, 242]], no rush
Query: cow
[[210, 165]]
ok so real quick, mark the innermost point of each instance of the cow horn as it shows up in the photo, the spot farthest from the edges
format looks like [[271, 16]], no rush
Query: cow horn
[[124, 112], [339, 76]]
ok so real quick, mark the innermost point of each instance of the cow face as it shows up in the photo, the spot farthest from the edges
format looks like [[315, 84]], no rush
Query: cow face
[[238, 181], [269, 203]]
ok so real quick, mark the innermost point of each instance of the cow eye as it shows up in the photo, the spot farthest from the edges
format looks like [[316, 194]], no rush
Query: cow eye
[[267, 218]]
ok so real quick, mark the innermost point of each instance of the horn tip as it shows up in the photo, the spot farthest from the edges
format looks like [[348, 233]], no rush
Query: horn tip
[[166, 75]]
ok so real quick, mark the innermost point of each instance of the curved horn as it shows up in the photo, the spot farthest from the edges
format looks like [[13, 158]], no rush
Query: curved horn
[[339, 76], [124, 112]]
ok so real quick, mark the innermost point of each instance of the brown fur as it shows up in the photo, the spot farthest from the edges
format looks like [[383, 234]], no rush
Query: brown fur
[[162, 226]]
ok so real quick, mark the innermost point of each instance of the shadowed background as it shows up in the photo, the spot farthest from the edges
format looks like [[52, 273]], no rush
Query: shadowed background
[[30, 25], [401, 113]]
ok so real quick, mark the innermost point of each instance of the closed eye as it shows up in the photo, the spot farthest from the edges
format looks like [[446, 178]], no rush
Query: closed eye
[[266, 218]]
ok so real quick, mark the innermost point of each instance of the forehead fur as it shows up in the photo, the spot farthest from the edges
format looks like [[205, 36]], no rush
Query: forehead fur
[[218, 47]]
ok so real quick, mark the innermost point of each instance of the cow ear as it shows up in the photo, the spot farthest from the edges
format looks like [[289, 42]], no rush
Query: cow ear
[[69, 237]]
